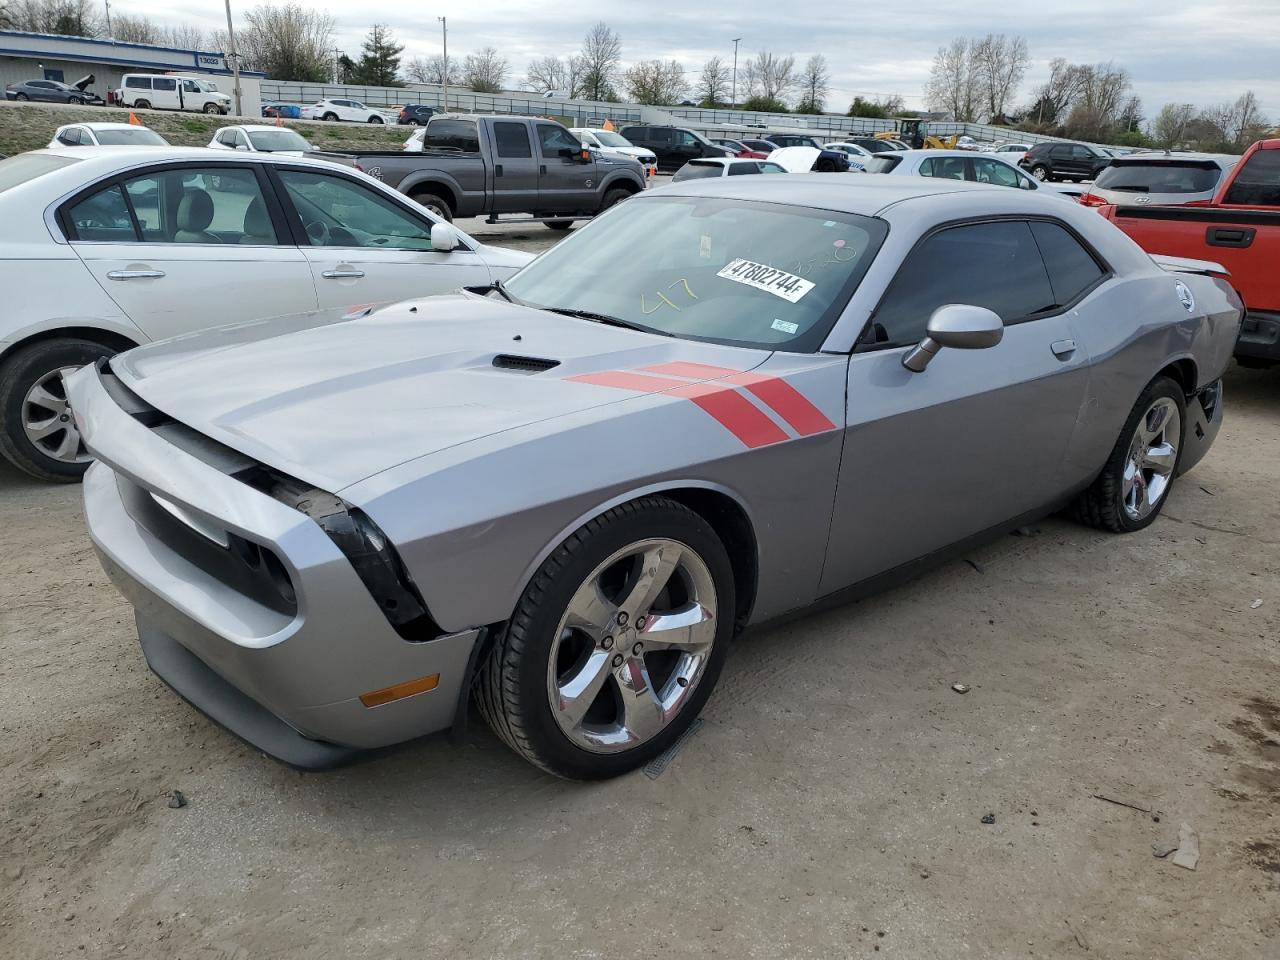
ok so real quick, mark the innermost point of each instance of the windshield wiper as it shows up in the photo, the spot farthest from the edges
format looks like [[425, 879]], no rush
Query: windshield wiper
[[602, 318], [496, 285]]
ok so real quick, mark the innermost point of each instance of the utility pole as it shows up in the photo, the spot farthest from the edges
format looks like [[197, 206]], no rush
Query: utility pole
[[444, 27], [733, 98], [110, 36], [337, 65], [235, 61]]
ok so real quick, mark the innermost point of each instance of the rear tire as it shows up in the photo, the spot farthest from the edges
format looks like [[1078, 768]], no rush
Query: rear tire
[[24, 409], [435, 204], [824, 166], [330, 116], [142, 104], [75, 101], [20, 96], [639, 706], [558, 224], [1134, 484]]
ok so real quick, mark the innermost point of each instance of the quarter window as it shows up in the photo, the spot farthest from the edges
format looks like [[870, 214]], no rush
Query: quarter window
[[1072, 269], [992, 265], [337, 212], [103, 217]]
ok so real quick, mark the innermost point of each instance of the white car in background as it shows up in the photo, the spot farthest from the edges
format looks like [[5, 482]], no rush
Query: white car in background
[[106, 135], [961, 165], [106, 249], [858, 156], [342, 109], [261, 138], [710, 167], [1011, 151], [612, 143]]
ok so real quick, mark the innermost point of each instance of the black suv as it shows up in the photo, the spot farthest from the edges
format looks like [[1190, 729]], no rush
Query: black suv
[[673, 146], [1064, 161], [416, 115]]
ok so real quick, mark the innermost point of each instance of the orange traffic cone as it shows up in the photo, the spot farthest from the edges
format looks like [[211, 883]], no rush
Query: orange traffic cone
[[133, 118], [608, 124]]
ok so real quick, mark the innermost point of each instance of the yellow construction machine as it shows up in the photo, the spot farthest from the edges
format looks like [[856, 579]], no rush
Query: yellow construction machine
[[915, 131]]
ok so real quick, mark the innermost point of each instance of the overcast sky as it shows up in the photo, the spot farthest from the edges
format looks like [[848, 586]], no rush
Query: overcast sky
[[1176, 50]]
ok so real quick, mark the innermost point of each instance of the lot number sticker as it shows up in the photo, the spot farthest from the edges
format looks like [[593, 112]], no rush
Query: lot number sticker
[[769, 279]]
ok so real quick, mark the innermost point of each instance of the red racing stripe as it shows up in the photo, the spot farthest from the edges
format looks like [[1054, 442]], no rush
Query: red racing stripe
[[626, 381], [734, 412], [693, 371], [786, 401]]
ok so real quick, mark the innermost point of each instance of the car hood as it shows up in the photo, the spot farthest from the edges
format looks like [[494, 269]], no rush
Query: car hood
[[333, 400]]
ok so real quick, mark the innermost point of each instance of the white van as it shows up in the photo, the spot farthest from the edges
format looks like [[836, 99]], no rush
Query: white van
[[169, 92]]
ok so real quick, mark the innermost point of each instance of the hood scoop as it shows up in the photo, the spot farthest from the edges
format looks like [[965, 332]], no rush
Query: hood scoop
[[521, 364]]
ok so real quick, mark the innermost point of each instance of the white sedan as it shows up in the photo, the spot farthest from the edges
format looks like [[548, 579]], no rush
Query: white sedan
[[858, 156], [725, 167], [107, 249], [106, 135], [959, 165], [261, 138], [342, 109]]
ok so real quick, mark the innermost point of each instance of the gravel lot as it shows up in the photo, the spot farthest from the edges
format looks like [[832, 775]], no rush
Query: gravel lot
[[831, 806]]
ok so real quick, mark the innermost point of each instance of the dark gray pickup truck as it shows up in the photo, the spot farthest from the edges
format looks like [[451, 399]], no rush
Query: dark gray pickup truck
[[470, 166]]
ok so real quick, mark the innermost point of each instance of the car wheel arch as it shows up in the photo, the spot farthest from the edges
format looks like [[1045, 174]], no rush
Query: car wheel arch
[[438, 188], [1183, 372], [111, 339], [722, 508]]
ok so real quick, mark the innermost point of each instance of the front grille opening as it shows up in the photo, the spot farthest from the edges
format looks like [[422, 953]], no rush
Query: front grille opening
[[522, 364]]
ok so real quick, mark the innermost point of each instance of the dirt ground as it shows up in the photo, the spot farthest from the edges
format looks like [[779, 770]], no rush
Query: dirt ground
[[831, 806]]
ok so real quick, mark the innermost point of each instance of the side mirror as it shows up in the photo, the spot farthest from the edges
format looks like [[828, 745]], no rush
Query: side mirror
[[959, 326], [443, 238]]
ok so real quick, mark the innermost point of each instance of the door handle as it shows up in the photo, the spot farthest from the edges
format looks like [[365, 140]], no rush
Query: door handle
[[1063, 349], [542, 168], [1230, 236], [342, 274], [135, 274], [497, 170]]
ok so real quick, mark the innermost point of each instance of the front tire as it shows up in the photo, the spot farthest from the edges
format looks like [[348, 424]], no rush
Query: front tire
[[613, 198], [1040, 172], [375, 120], [20, 97], [558, 224], [616, 643], [37, 433], [212, 108], [1132, 489]]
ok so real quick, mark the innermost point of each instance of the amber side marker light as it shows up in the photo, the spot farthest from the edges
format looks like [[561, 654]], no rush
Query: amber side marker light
[[398, 691]]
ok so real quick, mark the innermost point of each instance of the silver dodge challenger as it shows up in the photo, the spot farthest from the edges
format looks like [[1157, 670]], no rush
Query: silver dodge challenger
[[559, 498]]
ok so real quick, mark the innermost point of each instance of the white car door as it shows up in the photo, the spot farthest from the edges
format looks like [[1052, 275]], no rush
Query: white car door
[[186, 247], [366, 247]]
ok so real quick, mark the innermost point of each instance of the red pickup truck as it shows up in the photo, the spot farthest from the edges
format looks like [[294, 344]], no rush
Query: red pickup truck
[[1238, 229]]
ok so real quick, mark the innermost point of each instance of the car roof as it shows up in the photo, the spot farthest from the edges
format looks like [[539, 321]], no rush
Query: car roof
[[95, 126], [720, 161], [253, 127], [913, 154], [1226, 159], [848, 193], [94, 162]]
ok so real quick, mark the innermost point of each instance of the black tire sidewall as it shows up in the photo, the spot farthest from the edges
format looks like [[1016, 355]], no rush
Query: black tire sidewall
[[1114, 470], [652, 519], [435, 204], [613, 197], [17, 375]]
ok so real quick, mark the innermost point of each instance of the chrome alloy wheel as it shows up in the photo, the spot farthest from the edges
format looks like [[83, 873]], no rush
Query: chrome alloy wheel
[[47, 420], [632, 645], [1153, 453]]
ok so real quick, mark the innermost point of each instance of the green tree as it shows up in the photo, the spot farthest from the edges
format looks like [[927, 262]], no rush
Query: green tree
[[764, 104], [379, 64], [867, 108]]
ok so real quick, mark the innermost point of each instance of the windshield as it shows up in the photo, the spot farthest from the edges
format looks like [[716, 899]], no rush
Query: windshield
[[1159, 176], [611, 139], [137, 137], [738, 272], [281, 139], [27, 166]]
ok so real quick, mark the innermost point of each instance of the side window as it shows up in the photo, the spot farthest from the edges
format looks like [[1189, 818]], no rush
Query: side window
[[992, 265], [1072, 269], [553, 140], [138, 83], [660, 134], [766, 167], [226, 137], [739, 169], [992, 171], [455, 136], [926, 167], [1081, 153], [190, 86], [945, 168], [337, 212], [513, 139], [1257, 183], [357, 104], [214, 205], [685, 139], [104, 216], [1060, 153], [164, 83], [238, 139], [71, 137]]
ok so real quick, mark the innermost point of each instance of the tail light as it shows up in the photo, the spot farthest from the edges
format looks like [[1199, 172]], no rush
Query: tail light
[[1093, 200]]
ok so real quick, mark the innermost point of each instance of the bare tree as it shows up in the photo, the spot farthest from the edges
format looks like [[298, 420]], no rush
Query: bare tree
[[1057, 94], [546, 74], [815, 84], [1104, 91], [434, 69], [289, 42], [485, 71], [131, 29], [1170, 125], [657, 82], [601, 59], [999, 63], [954, 84], [6, 16], [72, 18], [1250, 124], [184, 36], [714, 83], [771, 76]]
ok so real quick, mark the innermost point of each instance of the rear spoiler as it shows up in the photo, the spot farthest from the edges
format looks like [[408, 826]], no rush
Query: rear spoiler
[[1206, 268]]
